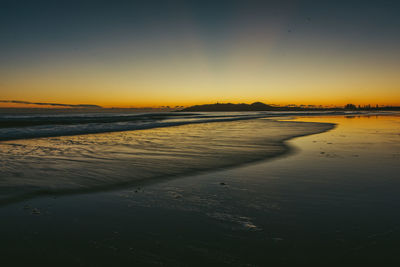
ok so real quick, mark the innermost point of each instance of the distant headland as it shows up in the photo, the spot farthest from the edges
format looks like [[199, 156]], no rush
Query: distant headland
[[259, 106]]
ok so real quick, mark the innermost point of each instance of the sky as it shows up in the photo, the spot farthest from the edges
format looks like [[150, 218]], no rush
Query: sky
[[153, 53]]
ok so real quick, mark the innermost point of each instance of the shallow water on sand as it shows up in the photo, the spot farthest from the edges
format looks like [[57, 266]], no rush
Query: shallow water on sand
[[334, 202], [100, 161]]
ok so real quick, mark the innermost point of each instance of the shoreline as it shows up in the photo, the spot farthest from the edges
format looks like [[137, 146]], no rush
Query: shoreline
[[23, 128], [285, 150]]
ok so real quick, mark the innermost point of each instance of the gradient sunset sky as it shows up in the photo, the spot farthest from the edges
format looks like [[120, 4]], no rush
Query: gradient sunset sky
[[151, 53]]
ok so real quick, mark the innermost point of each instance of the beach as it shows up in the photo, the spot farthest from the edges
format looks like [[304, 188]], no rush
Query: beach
[[287, 191]]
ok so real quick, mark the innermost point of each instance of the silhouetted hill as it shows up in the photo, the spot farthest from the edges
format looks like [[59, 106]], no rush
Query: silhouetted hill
[[257, 106]]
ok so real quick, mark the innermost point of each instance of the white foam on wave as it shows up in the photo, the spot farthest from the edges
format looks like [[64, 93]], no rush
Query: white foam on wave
[[61, 129], [34, 126]]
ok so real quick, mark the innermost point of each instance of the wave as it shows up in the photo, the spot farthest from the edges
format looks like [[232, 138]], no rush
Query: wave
[[13, 127]]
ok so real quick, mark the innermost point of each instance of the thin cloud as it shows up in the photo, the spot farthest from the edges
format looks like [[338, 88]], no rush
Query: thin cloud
[[50, 104]]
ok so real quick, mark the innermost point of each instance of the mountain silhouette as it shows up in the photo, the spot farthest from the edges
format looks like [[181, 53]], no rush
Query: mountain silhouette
[[256, 106]]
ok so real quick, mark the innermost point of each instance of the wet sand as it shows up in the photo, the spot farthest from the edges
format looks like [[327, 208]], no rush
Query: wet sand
[[108, 161], [333, 202]]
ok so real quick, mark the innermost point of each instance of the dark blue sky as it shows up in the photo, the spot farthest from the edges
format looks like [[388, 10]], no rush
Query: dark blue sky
[[28, 25]]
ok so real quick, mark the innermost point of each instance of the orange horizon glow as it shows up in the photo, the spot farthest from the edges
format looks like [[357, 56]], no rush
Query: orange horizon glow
[[150, 104], [177, 81]]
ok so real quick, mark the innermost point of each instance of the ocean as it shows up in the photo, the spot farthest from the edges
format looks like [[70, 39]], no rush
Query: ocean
[[58, 153]]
